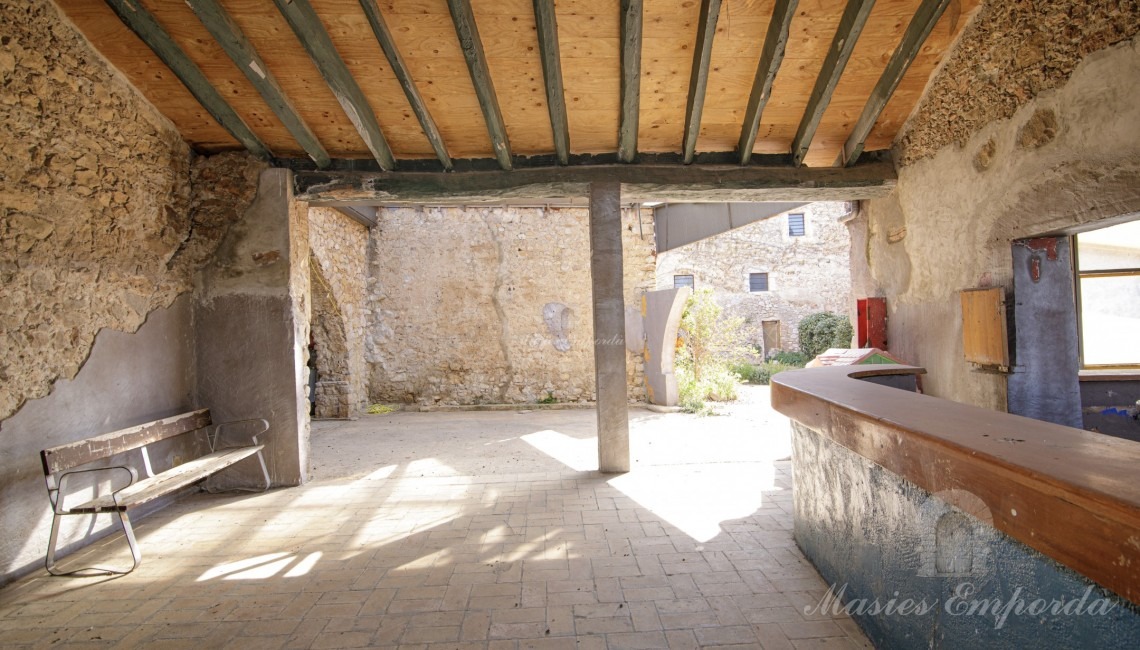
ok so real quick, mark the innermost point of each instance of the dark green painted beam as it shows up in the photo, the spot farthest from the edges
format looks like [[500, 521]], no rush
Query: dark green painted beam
[[227, 33], [771, 57], [419, 107], [699, 78], [919, 29], [631, 13], [641, 182], [311, 32], [552, 74], [143, 24], [472, 46], [850, 26]]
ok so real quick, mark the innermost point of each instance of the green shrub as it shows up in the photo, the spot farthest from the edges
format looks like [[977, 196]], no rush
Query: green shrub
[[797, 359], [762, 373], [704, 366], [824, 330]]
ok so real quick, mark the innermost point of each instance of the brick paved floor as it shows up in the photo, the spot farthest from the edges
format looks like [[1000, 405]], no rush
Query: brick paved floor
[[469, 530]]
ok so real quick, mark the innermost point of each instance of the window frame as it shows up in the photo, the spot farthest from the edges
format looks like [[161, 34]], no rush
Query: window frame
[[802, 225], [1078, 275], [767, 282], [692, 280]]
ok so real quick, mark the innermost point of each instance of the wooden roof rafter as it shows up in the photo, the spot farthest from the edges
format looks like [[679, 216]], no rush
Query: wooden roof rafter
[[146, 27], [547, 25], [631, 29], [311, 32], [404, 76], [699, 77], [230, 37], [473, 54]]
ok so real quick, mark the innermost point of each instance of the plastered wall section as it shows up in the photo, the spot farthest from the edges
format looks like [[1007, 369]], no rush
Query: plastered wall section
[[458, 299], [806, 274], [1068, 157], [99, 224], [339, 245]]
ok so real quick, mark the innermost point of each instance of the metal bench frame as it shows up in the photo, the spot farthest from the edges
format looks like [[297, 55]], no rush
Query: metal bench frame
[[57, 480]]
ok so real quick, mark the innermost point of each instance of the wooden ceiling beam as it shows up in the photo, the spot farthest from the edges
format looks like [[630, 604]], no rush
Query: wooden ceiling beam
[[311, 32], [771, 57], [472, 46], [547, 25], [850, 26], [230, 37], [696, 182], [400, 69], [699, 77], [631, 18], [921, 25], [143, 24]]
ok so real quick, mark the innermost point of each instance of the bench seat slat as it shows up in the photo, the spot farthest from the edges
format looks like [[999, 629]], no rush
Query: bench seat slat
[[176, 478]]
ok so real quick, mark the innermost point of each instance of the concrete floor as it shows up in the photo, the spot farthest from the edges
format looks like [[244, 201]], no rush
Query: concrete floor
[[469, 530]]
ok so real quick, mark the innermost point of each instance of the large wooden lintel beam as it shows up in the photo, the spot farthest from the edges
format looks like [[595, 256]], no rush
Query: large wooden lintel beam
[[640, 183], [472, 46], [303, 19], [143, 24]]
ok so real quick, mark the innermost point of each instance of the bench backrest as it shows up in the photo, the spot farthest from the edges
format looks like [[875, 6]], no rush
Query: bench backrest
[[74, 454]]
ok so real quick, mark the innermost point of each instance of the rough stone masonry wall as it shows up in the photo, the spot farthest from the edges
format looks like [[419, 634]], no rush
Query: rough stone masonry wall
[[467, 305], [339, 248], [806, 274], [1067, 156], [104, 214]]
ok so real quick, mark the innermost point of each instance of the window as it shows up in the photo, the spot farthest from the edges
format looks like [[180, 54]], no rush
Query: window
[[1108, 295], [796, 225], [682, 281], [757, 282]]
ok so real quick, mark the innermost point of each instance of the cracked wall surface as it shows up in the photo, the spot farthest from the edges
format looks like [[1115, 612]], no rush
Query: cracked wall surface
[[105, 213], [459, 300]]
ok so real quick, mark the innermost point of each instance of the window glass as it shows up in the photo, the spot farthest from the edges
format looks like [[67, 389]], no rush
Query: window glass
[[796, 225], [1108, 283], [757, 282], [682, 281]]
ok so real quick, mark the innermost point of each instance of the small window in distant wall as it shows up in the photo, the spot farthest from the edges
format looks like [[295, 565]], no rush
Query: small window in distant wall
[[796, 225], [757, 282], [682, 281]]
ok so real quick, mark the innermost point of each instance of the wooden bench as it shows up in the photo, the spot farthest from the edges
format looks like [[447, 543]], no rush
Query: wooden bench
[[60, 464]]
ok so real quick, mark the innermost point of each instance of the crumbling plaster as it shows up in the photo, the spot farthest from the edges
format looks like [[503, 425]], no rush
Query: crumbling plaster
[[1071, 156], [105, 214], [459, 299]]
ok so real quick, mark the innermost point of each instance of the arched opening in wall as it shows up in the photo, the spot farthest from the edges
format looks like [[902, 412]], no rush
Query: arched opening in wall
[[330, 392]]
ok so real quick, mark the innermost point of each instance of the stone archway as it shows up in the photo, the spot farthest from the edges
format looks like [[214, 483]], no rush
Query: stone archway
[[328, 349]]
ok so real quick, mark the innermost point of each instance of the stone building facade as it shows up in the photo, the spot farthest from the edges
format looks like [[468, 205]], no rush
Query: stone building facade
[[804, 274], [491, 305]]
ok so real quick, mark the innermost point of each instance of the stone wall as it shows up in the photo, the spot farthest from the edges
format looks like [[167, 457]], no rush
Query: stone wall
[[806, 274], [1068, 156], [104, 213], [491, 305], [339, 248]]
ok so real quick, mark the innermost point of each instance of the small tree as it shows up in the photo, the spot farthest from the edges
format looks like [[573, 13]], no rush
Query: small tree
[[711, 341], [824, 330]]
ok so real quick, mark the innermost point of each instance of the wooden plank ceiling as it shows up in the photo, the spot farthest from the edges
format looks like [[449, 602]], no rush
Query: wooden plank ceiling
[[476, 84]]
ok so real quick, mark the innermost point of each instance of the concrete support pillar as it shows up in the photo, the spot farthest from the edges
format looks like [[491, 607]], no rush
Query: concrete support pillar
[[251, 322], [609, 326]]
